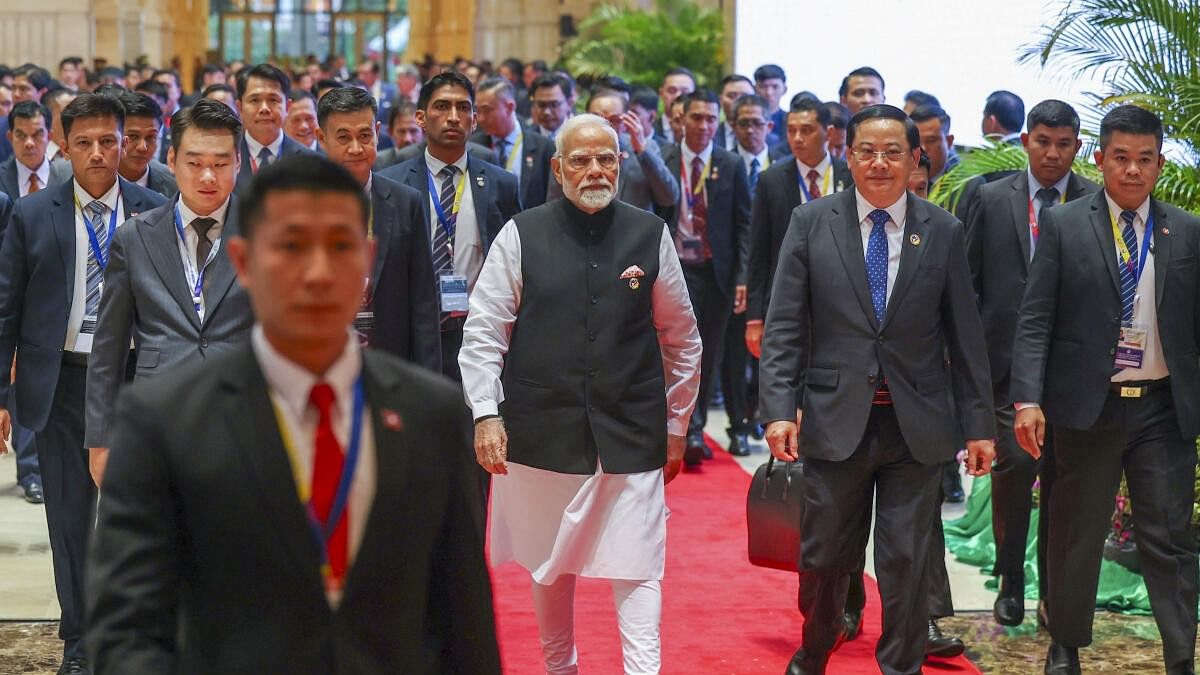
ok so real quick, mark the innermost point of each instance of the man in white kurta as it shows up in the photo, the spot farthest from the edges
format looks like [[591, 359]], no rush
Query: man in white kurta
[[580, 362]]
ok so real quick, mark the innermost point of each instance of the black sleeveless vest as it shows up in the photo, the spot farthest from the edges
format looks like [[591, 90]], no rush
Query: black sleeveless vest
[[583, 377]]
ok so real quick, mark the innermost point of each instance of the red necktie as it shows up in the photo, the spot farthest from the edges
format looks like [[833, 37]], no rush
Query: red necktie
[[327, 473], [814, 190], [700, 206]]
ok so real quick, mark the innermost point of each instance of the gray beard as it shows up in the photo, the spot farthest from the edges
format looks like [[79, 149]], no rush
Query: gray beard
[[596, 198]]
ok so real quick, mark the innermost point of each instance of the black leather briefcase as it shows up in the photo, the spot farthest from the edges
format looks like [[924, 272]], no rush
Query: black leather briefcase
[[774, 508]]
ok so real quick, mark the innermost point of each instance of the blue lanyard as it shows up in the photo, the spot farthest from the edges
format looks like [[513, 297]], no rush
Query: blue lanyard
[[437, 203], [101, 256], [199, 276], [803, 187], [324, 531]]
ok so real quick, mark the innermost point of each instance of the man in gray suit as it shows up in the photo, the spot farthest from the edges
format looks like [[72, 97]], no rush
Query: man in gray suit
[[872, 295], [169, 285], [644, 179]]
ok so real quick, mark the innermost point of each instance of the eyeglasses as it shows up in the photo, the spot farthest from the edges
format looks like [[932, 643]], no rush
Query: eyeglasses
[[547, 105], [608, 161], [751, 124], [863, 155]]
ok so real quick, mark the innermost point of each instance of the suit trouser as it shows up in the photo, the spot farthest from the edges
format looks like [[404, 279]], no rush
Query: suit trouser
[[740, 392], [1140, 436], [23, 447], [836, 496], [70, 500], [1012, 499], [452, 339], [711, 306]]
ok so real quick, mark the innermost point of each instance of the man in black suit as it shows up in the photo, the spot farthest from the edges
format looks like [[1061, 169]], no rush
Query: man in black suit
[[522, 153], [732, 88], [400, 308], [404, 131], [465, 201], [1105, 351], [224, 493], [28, 170], [872, 295], [551, 96], [262, 98], [51, 264], [1002, 230], [711, 227], [677, 83]]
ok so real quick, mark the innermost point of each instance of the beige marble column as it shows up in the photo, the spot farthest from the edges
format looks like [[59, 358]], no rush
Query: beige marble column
[[444, 28], [45, 31]]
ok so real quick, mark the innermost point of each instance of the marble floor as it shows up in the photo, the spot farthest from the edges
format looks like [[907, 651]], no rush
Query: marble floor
[[28, 608]]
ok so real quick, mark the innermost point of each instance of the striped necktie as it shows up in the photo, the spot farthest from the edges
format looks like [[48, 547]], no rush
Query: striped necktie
[[95, 275], [443, 238], [1129, 278]]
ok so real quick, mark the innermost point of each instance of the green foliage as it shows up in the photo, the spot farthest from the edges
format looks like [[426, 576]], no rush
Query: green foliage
[[990, 159], [640, 46]]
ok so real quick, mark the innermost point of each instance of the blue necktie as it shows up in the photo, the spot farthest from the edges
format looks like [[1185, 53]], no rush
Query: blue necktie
[[754, 166], [877, 262], [1129, 279], [264, 157]]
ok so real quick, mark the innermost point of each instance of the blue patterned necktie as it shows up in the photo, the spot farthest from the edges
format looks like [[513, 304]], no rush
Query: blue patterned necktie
[[442, 240], [1129, 278], [754, 166], [264, 157], [877, 262], [502, 152], [96, 212]]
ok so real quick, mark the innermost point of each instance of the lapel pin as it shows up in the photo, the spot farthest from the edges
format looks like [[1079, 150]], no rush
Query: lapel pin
[[529, 161], [1166, 232], [915, 240], [392, 419], [479, 181], [840, 186], [634, 283], [714, 175]]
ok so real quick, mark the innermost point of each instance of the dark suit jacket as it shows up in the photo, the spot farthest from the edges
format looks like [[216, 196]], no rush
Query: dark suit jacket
[[1071, 314], [183, 581], [37, 281], [823, 348], [393, 156], [6, 204], [147, 300], [402, 285], [536, 151], [728, 214], [246, 171], [493, 192], [6, 148], [775, 195], [998, 253]]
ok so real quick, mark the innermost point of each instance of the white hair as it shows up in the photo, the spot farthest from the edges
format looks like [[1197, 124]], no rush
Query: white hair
[[582, 120]]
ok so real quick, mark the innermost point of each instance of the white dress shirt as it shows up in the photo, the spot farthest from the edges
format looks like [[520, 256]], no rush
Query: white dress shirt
[[191, 239], [824, 169], [730, 142], [43, 174], [1145, 306], [289, 385], [1034, 186], [514, 147], [764, 158], [468, 247], [276, 146], [112, 200], [494, 311], [894, 230]]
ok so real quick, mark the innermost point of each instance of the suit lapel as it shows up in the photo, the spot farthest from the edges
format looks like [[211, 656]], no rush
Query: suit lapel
[[847, 236], [1162, 249], [1102, 228], [381, 214], [1076, 188], [1018, 201], [62, 217], [791, 186], [480, 197], [8, 178], [220, 275], [162, 246], [916, 229], [261, 448]]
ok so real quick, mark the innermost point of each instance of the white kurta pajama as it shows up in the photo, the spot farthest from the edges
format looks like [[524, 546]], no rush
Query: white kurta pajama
[[560, 525]]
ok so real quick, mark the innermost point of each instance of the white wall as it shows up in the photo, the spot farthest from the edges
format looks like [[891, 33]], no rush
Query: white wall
[[953, 49]]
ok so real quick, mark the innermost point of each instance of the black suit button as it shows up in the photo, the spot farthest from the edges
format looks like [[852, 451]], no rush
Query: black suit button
[[594, 265], [204, 342], [879, 339], [595, 299], [591, 337]]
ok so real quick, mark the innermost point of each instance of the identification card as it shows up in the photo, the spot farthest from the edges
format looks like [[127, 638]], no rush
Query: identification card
[[452, 289], [1131, 346]]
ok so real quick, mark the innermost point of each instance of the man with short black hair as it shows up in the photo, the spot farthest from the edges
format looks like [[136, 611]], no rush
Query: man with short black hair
[[71, 73], [383, 92], [916, 98], [861, 88], [549, 97], [28, 170], [936, 139], [400, 304], [770, 82], [223, 93], [525, 155], [301, 122], [262, 97], [52, 261], [55, 100], [30, 82], [839, 118], [732, 88], [711, 227], [1003, 115], [677, 82], [643, 102], [404, 132]]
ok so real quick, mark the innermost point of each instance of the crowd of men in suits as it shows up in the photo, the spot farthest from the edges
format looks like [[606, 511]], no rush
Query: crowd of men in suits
[[891, 333]]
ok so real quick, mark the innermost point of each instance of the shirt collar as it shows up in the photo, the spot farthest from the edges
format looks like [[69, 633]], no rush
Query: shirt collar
[[820, 168], [187, 215], [370, 183], [109, 198], [292, 383], [1114, 211], [764, 157], [1034, 185], [436, 165], [255, 147], [43, 172], [898, 210], [704, 154]]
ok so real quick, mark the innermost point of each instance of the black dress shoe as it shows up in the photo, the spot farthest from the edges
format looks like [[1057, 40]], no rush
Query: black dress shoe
[[1043, 616], [803, 664], [854, 622], [937, 644], [1062, 660], [1009, 608], [1185, 668], [739, 445], [693, 453], [74, 665], [33, 492]]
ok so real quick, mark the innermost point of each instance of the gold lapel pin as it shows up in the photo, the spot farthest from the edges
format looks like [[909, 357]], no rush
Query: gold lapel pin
[[634, 283], [915, 240]]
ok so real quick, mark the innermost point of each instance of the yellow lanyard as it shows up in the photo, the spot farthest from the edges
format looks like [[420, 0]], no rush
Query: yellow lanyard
[[687, 181], [515, 152]]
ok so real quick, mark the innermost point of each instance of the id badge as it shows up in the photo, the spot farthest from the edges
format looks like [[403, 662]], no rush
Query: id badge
[[364, 320], [691, 249], [452, 289], [1131, 346]]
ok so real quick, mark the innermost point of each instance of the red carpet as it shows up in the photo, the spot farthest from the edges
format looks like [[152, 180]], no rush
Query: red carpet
[[721, 615]]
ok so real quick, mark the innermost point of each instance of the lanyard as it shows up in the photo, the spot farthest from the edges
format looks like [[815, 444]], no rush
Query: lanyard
[[93, 241], [437, 203], [514, 153], [692, 191], [824, 183], [1033, 222], [195, 279], [1125, 257], [323, 531]]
